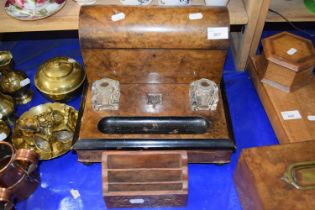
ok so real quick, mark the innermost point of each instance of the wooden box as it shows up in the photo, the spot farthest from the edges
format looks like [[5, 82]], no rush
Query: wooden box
[[290, 61], [155, 51], [280, 105], [260, 174], [144, 179]]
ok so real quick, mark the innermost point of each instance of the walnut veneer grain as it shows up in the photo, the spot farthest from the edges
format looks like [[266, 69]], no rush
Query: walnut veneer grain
[[258, 177]]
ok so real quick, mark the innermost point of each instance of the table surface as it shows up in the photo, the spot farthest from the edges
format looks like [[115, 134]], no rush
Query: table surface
[[293, 10], [210, 186]]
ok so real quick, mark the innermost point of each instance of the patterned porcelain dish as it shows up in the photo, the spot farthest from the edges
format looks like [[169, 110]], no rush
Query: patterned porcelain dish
[[85, 2], [32, 9], [135, 2], [174, 2]]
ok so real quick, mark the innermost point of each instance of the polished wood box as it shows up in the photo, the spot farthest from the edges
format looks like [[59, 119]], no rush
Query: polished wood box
[[277, 102], [145, 179], [260, 172], [154, 50], [289, 61]]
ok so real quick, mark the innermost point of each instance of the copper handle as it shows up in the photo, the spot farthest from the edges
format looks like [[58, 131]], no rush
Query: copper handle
[[18, 172], [22, 159], [27, 160], [6, 199], [301, 175]]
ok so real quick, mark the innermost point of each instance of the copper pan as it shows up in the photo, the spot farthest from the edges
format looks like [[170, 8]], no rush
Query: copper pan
[[18, 170]]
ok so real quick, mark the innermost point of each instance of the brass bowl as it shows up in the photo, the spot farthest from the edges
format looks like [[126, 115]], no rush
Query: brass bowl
[[60, 78], [48, 129]]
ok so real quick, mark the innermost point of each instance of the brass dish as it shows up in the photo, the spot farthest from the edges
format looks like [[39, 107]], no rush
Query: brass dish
[[60, 78], [47, 129], [6, 60]]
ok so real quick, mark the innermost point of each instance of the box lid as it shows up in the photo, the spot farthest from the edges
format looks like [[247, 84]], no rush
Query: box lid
[[290, 51], [267, 168], [154, 45]]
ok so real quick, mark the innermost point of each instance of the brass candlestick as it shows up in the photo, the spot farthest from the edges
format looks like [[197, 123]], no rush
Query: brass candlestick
[[4, 131], [13, 82], [6, 61], [7, 107], [17, 84]]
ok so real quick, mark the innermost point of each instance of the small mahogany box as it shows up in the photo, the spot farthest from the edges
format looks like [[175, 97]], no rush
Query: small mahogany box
[[144, 178], [289, 61], [278, 177]]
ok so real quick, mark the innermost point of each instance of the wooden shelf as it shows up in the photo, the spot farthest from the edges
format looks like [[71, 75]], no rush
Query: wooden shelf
[[67, 18], [294, 10]]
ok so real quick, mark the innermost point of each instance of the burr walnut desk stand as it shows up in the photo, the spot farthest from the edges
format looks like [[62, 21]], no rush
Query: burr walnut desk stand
[[154, 81]]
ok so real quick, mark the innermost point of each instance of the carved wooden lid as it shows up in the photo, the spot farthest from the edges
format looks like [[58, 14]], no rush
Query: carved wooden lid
[[291, 51]]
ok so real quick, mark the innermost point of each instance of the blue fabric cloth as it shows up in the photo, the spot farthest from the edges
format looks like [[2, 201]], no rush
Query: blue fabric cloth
[[210, 186]]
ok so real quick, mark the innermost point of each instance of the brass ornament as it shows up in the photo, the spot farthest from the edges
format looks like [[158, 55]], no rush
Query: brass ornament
[[4, 131], [14, 82], [48, 129], [60, 78], [17, 84], [6, 61], [7, 108]]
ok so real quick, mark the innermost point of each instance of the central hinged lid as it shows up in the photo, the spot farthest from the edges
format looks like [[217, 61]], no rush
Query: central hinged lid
[[153, 44]]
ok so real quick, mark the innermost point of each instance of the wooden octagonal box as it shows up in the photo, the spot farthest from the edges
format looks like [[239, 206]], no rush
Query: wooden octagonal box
[[289, 61]]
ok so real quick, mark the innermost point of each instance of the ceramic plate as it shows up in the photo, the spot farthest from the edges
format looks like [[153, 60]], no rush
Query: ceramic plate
[[32, 9], [135, 2]]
